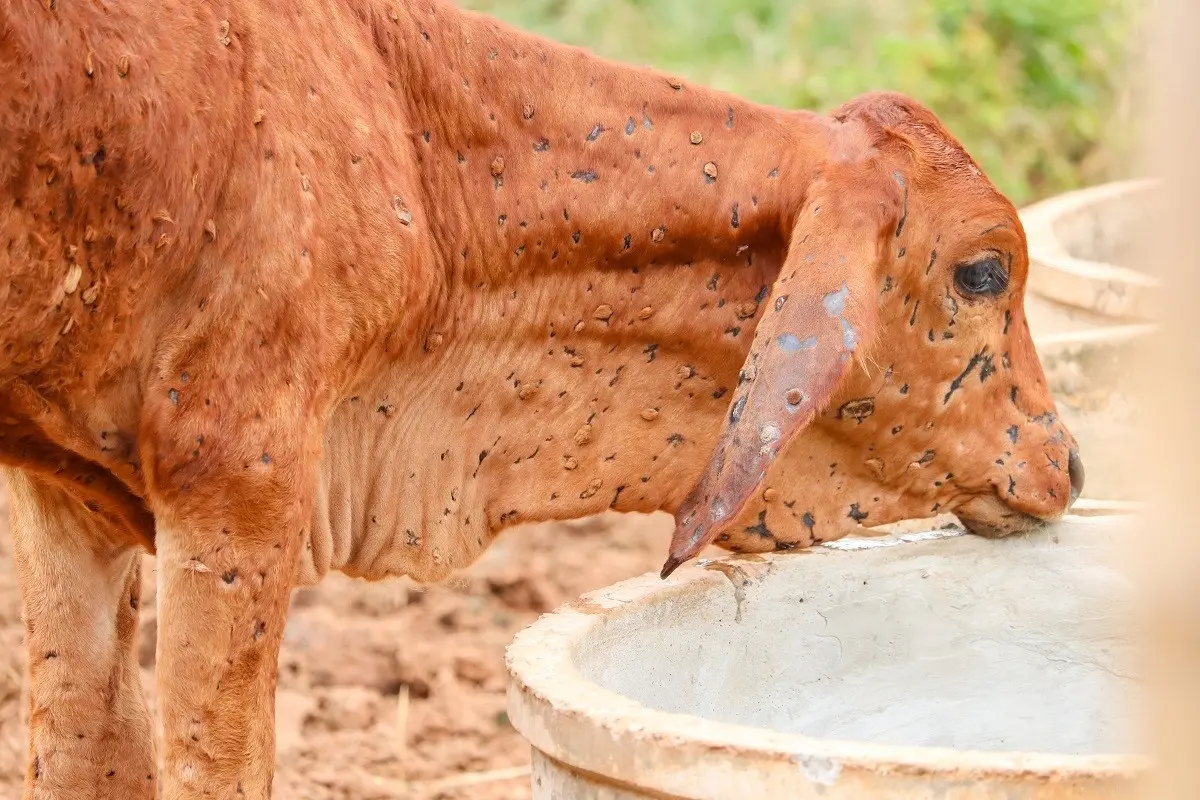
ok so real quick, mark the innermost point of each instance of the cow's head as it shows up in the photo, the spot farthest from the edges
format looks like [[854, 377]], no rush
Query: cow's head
[[895, 339]]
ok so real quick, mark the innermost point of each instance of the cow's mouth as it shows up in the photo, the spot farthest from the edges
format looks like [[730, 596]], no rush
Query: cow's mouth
[[1021, 523], [991, 513], [988, 515]]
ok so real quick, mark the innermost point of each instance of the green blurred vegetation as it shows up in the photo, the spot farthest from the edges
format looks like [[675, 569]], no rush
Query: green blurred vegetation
[[1035, 89]]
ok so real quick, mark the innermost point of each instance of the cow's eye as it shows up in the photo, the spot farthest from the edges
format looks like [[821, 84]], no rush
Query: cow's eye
[[983, 277]]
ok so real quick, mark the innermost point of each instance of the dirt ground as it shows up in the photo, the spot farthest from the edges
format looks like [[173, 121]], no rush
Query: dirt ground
[[353, 651]]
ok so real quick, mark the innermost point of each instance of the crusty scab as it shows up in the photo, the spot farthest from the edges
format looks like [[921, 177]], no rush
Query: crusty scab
[[792, 343]]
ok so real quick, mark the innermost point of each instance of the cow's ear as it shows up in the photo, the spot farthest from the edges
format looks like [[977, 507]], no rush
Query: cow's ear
[[821, 311]]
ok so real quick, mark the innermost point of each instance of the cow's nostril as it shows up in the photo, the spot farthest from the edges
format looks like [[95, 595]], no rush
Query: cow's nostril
[[1075, 470]]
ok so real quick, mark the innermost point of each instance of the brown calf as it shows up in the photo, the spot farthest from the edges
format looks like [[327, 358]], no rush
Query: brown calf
[[291, 288]]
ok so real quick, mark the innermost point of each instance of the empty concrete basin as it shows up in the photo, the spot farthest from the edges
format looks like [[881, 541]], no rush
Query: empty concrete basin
[[926, 665], [1083, 245]]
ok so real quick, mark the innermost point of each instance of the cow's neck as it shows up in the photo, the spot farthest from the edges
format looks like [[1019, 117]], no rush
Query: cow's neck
[[571, 164], [604, 273]]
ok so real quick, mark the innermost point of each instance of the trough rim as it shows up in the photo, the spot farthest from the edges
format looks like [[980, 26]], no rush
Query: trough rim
[[1097, 286], [1056, 344], [547, 691]]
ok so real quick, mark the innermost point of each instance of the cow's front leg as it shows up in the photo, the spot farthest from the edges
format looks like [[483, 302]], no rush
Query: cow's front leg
[[90, 733], [227, 551]]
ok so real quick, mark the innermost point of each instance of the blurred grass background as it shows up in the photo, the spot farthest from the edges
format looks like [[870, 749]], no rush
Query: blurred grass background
[[1038, 90]]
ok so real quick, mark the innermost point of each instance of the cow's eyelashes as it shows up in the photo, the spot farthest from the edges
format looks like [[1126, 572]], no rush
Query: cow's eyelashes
[[983, 278]]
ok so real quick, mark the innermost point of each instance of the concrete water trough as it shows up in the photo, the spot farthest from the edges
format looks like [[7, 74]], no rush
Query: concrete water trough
[[1083, 245], [924, 665]]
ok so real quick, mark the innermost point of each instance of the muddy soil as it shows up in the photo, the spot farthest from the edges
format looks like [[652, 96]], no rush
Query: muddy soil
[[354, 652]]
